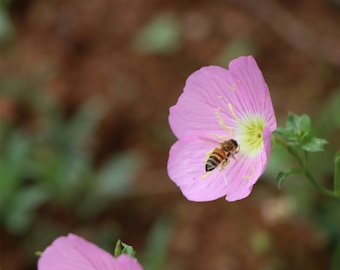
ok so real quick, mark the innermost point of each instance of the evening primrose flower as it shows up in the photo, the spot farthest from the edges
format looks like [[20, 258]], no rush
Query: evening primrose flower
[[218, 105], [73, 252]]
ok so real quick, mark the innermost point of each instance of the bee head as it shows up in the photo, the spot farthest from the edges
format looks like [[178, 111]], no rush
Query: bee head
[[234, 142]]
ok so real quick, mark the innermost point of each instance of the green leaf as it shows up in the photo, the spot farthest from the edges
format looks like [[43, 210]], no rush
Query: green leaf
[[118, 248], [314, 144], [298, 133], [280, 178], [283, 175], [299, 124], [127, 249], [283, 131]]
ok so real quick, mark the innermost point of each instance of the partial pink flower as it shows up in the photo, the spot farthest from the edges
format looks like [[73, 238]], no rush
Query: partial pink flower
[[218, 105], [73, 252]]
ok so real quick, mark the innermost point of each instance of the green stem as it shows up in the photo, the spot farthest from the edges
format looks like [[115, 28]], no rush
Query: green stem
[[306, 158], [324, 190], [309, 176], [336, 181]]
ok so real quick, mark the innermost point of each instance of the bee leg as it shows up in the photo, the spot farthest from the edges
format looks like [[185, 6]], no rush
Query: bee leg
[[224, 163], [231, 155], [225, 179]]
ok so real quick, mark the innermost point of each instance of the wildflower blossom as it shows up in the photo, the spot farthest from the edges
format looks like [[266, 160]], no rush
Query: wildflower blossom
[[218, 105], [73, 252]]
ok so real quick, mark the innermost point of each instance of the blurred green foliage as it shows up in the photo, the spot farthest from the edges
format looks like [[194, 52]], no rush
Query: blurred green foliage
[[160, 35], [7, 30], [313, 205], [46, 156], [156, 249], [241, 45], [261, 242]]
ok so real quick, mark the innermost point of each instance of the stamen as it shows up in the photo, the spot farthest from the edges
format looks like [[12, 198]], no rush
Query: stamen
[[204, 176], [252, 171], [222, 123], [231, 109], [221, 138]]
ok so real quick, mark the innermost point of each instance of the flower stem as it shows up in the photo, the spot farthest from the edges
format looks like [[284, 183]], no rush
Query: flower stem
[[324, 190], [309, 176], [336, 182]]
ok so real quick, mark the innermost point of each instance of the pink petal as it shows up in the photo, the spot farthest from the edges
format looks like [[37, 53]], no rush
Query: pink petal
[[205, 95], [210, 90], [186, 167], [126, 262], [214, 104], [252, 94], [243, 175], [247, 170], [73, 252]]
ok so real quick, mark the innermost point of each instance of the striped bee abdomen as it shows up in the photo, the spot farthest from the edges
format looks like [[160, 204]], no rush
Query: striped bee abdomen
[[215, 158], [222, 155]]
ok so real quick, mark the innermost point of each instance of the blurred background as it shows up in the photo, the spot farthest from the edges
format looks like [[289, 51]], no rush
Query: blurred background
[[85, 91]]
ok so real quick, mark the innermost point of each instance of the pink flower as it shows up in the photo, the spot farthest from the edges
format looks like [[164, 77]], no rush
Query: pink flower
[[73, 252], [218, 105]]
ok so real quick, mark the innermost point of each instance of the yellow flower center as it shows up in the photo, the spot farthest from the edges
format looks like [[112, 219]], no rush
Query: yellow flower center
[[250, 136]]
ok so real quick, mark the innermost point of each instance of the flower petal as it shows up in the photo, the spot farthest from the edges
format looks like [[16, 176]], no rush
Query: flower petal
[[186, 167], [213, 91], [216, 105], [251, 95], [73, 252], [203, 104], [126, 262], [242, 176], [247, 170]]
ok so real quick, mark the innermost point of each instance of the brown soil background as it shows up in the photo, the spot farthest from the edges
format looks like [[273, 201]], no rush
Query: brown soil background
[[87, 45]]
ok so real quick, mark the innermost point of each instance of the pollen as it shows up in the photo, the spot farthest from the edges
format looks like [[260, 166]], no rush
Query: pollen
[[221, 122], [233, 87], [251, 173], [204, 176], [250, 134], [232, 111]]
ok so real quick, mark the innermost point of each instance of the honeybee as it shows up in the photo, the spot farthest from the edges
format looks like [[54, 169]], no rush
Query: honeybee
[[228, 149]]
